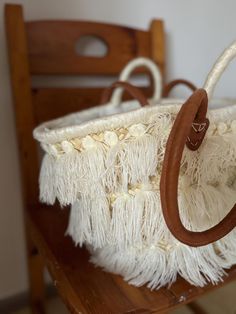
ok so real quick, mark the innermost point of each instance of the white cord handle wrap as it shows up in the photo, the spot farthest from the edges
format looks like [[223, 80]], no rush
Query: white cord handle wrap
[[218, 69], [127, 71]]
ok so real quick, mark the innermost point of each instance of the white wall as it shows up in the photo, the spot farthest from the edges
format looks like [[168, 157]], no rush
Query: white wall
[[197, 31]]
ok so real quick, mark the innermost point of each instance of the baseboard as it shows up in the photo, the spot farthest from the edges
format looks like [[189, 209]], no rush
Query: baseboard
[[21, 300]]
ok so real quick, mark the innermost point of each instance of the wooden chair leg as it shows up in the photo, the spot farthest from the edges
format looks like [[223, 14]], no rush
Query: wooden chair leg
[[36, 277]]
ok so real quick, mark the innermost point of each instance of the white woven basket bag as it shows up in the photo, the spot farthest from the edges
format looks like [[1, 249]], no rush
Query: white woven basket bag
[[153, 188]]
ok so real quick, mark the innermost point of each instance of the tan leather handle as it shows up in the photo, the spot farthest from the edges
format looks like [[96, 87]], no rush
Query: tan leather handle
[[168, 87], [190, 119], [131, 89]]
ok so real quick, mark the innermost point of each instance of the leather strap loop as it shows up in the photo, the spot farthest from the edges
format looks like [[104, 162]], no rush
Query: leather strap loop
[[193, 111], [131, 89], [168, 87]]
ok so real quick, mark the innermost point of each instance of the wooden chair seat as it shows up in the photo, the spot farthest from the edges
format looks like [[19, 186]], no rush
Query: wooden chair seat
[[87, 289]]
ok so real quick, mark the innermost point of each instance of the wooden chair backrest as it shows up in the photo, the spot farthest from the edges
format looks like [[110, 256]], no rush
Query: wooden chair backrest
[[47, 48]]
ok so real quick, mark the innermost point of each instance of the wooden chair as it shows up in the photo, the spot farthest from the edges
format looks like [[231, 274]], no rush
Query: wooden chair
[[48, 48]]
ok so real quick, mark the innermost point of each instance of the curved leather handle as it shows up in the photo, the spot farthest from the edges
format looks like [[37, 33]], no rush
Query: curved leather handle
[[131, 89], [191, 115], [168, 87]]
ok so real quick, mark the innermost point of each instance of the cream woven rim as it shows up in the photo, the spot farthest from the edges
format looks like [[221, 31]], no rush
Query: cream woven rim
[[107, 117]]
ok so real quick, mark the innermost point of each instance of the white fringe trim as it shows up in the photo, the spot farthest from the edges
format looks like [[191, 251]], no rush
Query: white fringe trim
[[47, 184], [137, 219], [156, 267], [112, 183]]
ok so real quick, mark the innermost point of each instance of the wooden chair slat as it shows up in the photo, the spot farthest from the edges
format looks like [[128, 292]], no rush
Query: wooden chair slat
[[52, 47], [51, 103]]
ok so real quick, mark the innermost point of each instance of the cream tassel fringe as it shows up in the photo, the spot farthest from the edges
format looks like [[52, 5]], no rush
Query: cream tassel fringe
[[158, 267], [89, 221], [116, 208], [47, 180], [138, 220]]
